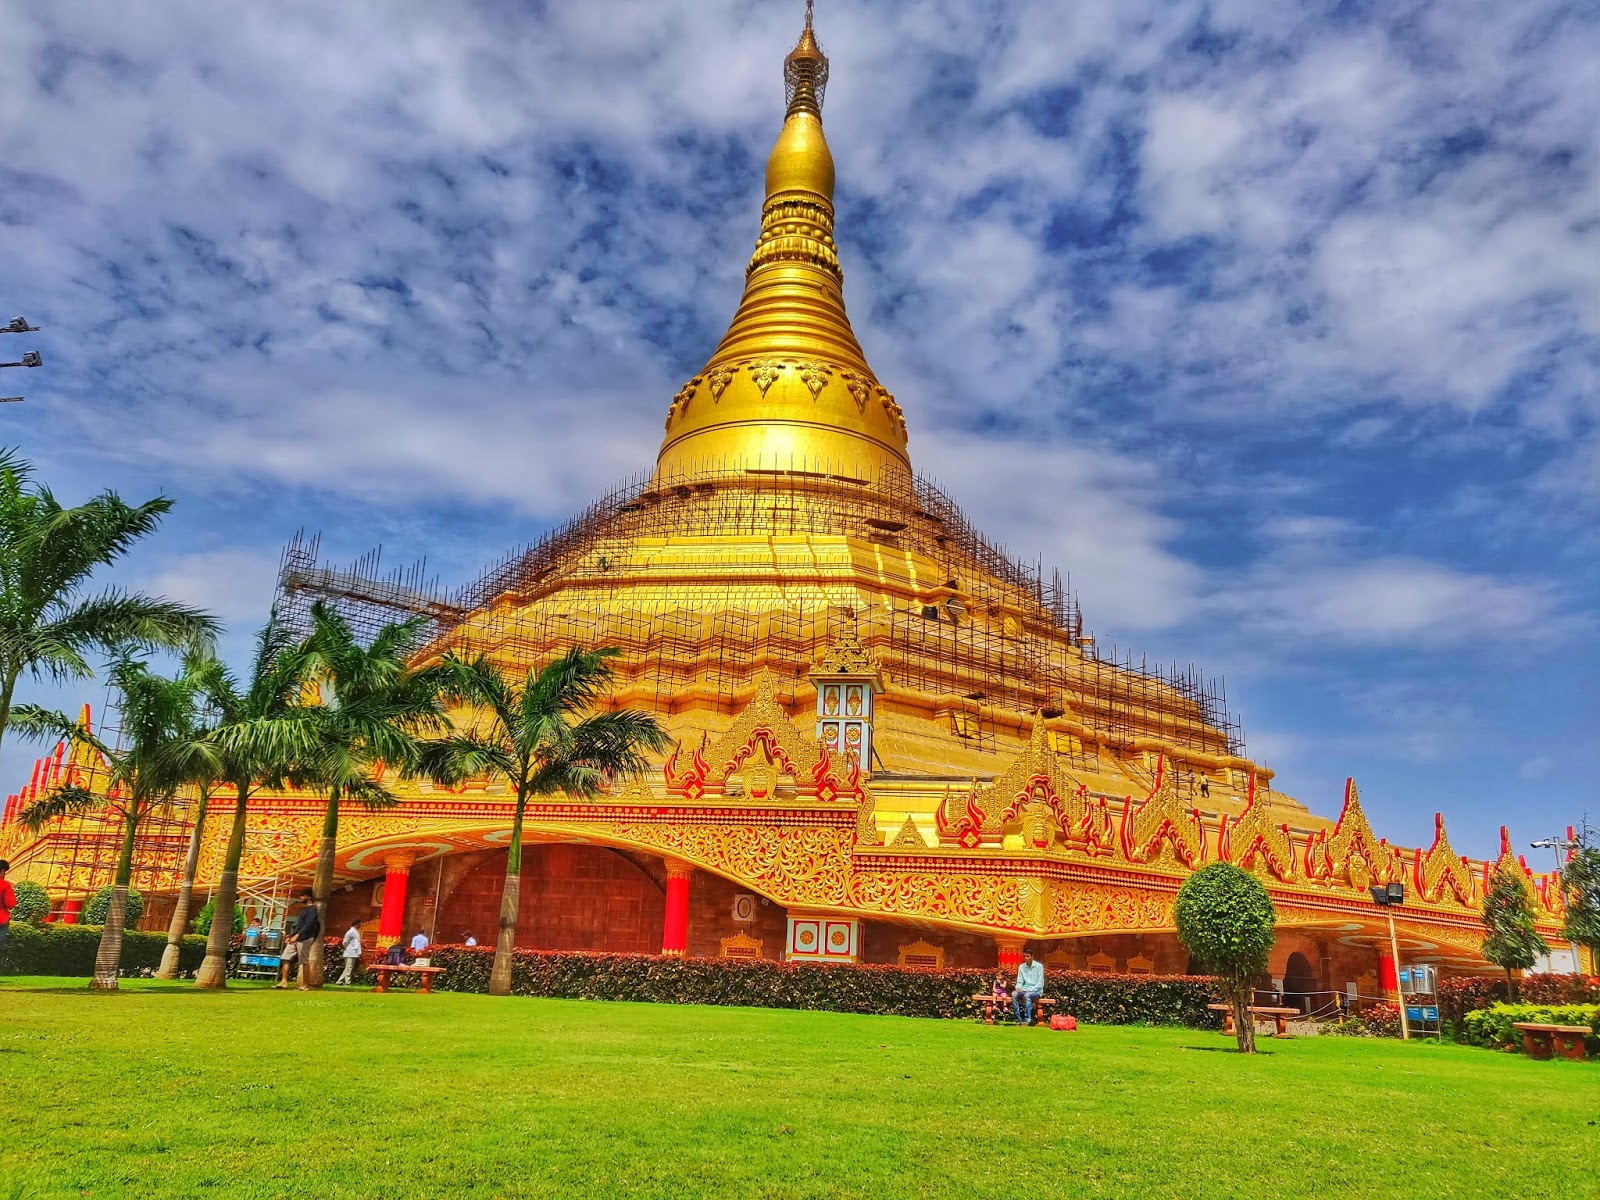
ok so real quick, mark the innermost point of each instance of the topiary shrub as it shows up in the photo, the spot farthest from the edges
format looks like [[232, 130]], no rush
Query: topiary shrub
[[96, 907], [1226, 920], [208, 910], [33, 902]]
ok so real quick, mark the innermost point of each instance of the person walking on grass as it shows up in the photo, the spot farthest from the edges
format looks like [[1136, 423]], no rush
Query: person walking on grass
[[8, 901], [1030, 984], [307, 928], [352, 952]]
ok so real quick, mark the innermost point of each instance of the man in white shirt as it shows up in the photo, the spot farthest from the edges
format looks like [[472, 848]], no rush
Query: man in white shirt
[[419, 950], [352, 953], [469, 940], [1030, 983]]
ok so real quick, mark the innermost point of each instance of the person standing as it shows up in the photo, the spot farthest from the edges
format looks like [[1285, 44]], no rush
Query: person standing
[[352, 953], [1030, 984], [419, 950], [8, 901], [307, 927], [469, 940]]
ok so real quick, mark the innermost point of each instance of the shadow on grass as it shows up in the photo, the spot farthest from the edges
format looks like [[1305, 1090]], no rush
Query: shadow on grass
[[1227, 1050]]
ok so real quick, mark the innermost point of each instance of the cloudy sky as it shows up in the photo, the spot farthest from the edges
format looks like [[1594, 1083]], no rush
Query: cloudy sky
[[1275, 324]]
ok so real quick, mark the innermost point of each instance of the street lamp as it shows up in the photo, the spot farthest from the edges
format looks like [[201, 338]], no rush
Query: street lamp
[[30, 358], [1386, 896], [1560, 846]]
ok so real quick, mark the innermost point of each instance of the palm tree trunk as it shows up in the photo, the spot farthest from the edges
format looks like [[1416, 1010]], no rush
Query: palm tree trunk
[[108, 958], [7, 689], [180, 914], [510, 906], [321, 891], [213, 972], [1244, 1024]]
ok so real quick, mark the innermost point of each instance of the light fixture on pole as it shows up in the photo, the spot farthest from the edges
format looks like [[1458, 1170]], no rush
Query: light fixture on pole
[[1560, 846], [1386, 896], [30, 358]]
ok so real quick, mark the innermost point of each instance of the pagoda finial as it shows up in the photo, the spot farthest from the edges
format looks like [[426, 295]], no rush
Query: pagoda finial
[[805, 72]]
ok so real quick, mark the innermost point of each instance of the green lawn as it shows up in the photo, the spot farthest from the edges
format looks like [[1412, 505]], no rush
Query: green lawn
[[161, 1091]]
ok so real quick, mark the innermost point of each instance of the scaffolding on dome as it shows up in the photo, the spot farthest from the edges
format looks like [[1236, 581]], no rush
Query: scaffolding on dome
[[78, 854], [993, 630]]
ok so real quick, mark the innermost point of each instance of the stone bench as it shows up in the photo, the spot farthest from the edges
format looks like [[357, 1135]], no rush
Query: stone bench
[[1546, 1041]]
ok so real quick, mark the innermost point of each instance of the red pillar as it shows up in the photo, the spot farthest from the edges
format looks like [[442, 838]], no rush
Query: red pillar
[[1388, 977], [392, 916], [71, 911], [1010, 953], [675, 929]]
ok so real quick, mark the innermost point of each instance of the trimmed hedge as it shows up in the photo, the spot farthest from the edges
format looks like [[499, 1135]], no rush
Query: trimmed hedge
[[889, 991], [1493, 1026], [1460, 997], [70, 950]]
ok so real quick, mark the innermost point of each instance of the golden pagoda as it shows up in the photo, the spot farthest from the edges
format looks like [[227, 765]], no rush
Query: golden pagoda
[[894, 742]]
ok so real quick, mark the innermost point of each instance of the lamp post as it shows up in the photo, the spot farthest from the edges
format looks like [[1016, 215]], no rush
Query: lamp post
[[1559, 846], [1386, 897], [30, 358]]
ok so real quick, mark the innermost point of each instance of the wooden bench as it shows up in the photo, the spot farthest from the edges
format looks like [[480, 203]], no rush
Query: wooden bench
[[1546, 1041], [988, 1001], [384, 970], [1280, 1017]]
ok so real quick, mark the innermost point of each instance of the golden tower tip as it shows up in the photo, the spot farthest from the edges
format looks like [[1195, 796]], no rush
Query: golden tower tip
[[805, 73]]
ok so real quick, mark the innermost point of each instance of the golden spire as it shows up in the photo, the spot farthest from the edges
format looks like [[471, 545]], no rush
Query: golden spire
[[788, 387]]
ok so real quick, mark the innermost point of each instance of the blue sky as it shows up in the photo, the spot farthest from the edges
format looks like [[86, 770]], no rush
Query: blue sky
[[1276, 325]]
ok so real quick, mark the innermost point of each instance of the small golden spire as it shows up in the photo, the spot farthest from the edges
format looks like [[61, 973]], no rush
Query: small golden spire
[[805, 73]]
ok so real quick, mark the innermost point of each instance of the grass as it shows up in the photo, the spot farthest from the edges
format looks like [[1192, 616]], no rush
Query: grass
[[162, 1091]]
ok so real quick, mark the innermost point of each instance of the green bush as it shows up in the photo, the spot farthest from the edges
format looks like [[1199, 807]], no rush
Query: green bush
[[202, 919], [1494, 1026], [1461, 996], [33, 902], [95, 909], [895, 991], [1377, 1020], [70, 949]]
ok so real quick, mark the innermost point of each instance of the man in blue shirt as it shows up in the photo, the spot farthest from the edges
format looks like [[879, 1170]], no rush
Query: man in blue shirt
[[1030, 983]]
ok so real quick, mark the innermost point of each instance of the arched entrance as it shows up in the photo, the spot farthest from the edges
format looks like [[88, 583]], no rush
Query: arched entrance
[[1299, 984]]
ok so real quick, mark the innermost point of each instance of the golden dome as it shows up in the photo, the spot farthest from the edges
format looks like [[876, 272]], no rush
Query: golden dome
[[788, 388]]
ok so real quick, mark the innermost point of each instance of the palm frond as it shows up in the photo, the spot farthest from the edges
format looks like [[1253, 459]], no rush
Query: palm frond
[[64, 802]]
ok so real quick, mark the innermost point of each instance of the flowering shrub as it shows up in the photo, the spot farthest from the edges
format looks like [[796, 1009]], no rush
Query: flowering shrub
[[70, 950], [1378, 1020], [1495, 1026], [894, 991]]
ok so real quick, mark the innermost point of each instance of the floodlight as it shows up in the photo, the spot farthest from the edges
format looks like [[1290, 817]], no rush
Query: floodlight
[[31, 358], [1380, 894], [20, 325], [1397, 893]]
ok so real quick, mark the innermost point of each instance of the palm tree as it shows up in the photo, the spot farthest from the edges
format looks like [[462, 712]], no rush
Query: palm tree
[[47, 554], [541, 735], [159, 718], [257, 734], [376, 708], [207, 669]]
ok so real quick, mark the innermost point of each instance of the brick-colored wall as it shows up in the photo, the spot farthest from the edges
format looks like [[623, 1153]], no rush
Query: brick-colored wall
[[711, 918], [572, 898]]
